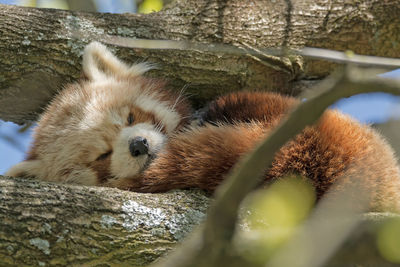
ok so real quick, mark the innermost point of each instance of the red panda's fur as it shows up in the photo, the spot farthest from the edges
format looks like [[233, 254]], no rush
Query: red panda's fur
[[336, 148]]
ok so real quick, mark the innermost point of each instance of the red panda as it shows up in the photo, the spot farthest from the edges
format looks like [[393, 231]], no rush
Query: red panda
[[106, 127], [121, 129]]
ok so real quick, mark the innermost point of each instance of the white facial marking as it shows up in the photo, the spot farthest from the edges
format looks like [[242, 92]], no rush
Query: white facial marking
[[168, 116], [123, 164], [116, 118]]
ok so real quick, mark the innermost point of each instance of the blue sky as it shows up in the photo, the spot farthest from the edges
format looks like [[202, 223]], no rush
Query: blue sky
[[112, 6], [10, 154], [367, 108], [374, 107]]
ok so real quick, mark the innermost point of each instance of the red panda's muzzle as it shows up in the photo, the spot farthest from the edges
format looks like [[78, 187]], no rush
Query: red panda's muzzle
[[138, 146]]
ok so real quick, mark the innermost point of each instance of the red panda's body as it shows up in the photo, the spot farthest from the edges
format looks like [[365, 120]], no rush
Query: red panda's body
[[124, 130], [337, 148]]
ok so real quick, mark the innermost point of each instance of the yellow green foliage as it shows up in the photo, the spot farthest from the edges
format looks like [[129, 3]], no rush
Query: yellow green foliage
[[59, 4], [388, 240], [149, 6], [275, 214]]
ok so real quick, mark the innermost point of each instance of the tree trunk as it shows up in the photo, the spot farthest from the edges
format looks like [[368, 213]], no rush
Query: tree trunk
[[38, 52]]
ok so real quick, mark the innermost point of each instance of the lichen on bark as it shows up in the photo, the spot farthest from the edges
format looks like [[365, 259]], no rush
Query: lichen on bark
[[66, 224]]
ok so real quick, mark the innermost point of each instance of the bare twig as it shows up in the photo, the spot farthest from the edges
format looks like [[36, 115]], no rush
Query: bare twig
[[246, 175], [348, 57], [221, 221], [310, 52]]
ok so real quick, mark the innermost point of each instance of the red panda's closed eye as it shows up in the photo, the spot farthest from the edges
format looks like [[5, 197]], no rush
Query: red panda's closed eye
[[130, 119], [104, 155]]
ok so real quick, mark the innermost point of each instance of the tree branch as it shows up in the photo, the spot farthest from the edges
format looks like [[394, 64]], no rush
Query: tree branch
[[222, 217], [247, 173], [58, 224], [38, 52]]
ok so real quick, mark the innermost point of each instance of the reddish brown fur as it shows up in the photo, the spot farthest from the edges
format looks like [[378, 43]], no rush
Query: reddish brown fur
[[141, 116], [248, 106], [102, 169], [337, 147], [321, 153], [86, 121], [200, 158]]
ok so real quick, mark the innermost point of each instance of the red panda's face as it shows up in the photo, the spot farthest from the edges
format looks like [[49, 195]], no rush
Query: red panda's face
[[102, 130], [123, 135]]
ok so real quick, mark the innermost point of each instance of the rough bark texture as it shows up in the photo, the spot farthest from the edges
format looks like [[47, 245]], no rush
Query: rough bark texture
[[62, 225], [51, 224], [45, 224], [38, 51]]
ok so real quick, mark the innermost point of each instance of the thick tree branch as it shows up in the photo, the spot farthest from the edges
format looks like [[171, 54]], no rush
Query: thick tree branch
[[62, 225], [65, 225], [38, 51]]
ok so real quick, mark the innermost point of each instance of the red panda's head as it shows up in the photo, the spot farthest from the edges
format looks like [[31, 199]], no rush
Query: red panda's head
[[105, 128]]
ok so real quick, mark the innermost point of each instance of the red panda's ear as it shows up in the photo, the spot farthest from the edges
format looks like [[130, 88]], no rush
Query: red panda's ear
[[99, 64], [27, 168]]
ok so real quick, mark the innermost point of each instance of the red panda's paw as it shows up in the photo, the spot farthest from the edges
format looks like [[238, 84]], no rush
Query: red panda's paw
[[26, 168]]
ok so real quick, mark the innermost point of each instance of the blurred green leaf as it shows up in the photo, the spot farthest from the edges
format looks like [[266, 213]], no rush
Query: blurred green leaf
[[388, 240], [30, 3], [275, 214], [286, 203], [149, 6], [59, 4], [79, 5]]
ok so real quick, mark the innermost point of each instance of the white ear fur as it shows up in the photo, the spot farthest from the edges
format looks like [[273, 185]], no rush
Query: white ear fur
[[96, 55], [27, 168]]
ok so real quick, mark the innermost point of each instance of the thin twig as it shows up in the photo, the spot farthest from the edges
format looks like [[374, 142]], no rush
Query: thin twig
[[310, 52], [348, 57], [221, 221], [247, 174]]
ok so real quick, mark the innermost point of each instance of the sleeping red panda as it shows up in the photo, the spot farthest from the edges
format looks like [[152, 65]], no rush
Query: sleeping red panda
[[104, 128], [118, 128]]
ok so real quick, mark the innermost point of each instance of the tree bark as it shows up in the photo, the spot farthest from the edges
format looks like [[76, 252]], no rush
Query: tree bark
[[53, 224], [38, 52], [46, 224], [65, 225]]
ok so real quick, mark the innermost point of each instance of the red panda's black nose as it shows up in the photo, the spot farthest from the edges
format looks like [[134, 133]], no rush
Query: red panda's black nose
[[138, 146]]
